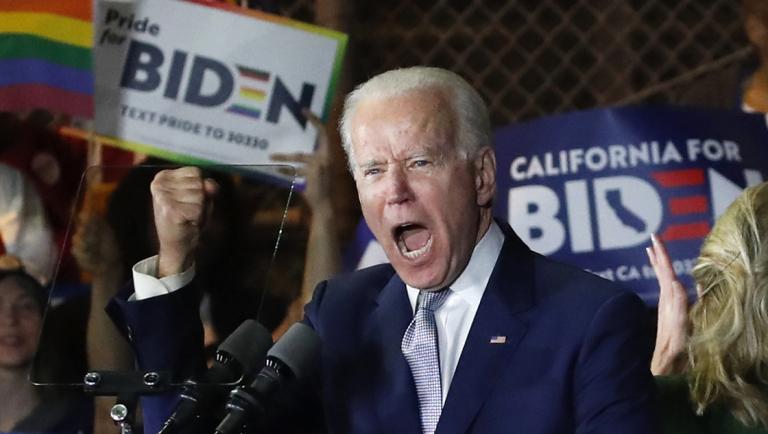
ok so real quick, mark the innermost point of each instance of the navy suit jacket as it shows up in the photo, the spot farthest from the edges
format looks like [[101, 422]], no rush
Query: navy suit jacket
[[575, 357]]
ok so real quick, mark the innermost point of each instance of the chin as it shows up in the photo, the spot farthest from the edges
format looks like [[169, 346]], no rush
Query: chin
[[419, 273], [419, 279]]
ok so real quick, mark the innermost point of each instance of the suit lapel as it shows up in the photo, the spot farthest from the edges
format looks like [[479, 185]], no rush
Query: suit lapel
[[397, 407], [509, 291]]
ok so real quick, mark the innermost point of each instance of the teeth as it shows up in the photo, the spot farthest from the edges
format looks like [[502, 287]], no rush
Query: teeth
[[400, 229], [416, 253]]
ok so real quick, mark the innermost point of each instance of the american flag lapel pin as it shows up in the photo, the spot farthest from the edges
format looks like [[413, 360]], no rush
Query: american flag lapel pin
[[498, 340]]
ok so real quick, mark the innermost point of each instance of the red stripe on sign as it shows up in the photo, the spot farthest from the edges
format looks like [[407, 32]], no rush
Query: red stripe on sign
[[21, 97], [77, 9], [679, 178], [255, 74], [690, 231], [688, 205]]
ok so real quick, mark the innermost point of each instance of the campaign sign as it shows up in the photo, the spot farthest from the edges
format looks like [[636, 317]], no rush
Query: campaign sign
[[201, 83], [589, 188]]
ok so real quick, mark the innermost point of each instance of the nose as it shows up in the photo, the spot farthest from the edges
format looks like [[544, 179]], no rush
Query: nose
[[398, 187], [8, 316]]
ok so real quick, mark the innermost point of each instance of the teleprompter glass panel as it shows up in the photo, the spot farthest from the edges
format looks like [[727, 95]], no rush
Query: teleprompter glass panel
[[239, 272]]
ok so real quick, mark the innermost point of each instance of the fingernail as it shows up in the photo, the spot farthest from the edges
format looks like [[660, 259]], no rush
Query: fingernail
[[654, 239]]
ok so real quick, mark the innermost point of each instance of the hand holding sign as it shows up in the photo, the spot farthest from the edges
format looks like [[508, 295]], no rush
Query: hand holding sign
[[316, 168], [672, 329], [180, 200]]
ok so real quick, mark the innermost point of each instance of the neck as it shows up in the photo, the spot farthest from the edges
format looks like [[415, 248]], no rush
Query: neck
[[19, 397], [486, 217]]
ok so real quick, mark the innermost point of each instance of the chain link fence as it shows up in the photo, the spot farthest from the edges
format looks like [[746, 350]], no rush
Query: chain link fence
[[531, 58]]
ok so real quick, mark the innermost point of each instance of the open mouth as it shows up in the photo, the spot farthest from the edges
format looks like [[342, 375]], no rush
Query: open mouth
[[413, 240]]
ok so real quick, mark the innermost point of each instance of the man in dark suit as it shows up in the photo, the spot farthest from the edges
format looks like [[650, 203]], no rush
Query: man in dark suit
[[466, 330]]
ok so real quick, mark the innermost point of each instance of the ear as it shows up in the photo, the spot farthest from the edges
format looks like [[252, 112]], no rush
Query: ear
[[485, 176]]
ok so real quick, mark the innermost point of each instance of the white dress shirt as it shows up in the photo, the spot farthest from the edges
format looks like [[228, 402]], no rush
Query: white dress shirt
[[147, 285], [454, 318]]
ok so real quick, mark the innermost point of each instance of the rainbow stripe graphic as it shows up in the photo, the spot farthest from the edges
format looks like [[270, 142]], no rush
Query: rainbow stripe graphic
[[45, 56], [252, 94]]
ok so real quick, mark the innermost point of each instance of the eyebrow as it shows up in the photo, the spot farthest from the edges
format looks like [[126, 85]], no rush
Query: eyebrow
[[371, 163], [419, 154]]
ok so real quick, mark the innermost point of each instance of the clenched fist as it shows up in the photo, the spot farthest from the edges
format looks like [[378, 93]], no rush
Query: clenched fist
[[181, 203]]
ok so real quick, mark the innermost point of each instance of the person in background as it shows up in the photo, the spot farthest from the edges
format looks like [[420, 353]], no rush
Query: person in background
[[741, 86], [97, 253], [711, 364], [24, 229], [52, 165], [25, 407]]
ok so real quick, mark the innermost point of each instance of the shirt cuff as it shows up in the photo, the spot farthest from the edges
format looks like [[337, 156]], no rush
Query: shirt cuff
[[147, 285]]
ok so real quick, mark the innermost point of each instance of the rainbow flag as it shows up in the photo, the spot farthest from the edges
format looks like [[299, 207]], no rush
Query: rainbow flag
[[45, 56]]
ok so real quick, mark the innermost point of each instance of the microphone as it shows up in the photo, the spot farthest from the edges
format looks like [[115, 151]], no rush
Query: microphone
[[237, 358], [292, 358]]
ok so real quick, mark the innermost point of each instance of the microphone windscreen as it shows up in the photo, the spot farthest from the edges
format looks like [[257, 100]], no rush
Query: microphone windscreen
[[248, 345], [299, 349]]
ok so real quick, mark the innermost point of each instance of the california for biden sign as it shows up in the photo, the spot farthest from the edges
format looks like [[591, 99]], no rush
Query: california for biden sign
[[197, 83], [590, 188]]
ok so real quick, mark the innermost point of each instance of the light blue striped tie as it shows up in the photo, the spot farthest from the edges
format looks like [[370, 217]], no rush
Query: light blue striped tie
[[420, 350]]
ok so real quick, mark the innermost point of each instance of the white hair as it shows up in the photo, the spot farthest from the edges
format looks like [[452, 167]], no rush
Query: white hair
[[474, 126]]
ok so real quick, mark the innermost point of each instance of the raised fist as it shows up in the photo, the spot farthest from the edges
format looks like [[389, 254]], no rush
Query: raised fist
[[181, 204]]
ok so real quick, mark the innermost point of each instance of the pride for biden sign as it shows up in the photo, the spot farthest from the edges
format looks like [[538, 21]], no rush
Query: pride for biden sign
[[196, 82]]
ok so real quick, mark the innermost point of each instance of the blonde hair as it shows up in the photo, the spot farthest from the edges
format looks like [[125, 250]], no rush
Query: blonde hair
[[473, 123], [728, 349]]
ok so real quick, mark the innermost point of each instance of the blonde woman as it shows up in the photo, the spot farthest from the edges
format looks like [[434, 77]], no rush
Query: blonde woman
[[712, 367]]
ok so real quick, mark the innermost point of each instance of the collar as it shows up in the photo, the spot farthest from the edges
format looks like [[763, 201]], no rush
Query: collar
[[471, 283]]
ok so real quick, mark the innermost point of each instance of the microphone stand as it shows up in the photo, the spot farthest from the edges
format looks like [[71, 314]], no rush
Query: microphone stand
[[127, 386], [123, 413], [249, 403]]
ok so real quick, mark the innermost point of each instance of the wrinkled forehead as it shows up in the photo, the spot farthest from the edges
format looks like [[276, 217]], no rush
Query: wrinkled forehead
[[430, 101], [422, 120]]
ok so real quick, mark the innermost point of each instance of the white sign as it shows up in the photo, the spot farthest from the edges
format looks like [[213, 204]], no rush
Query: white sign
[[202, 83]]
